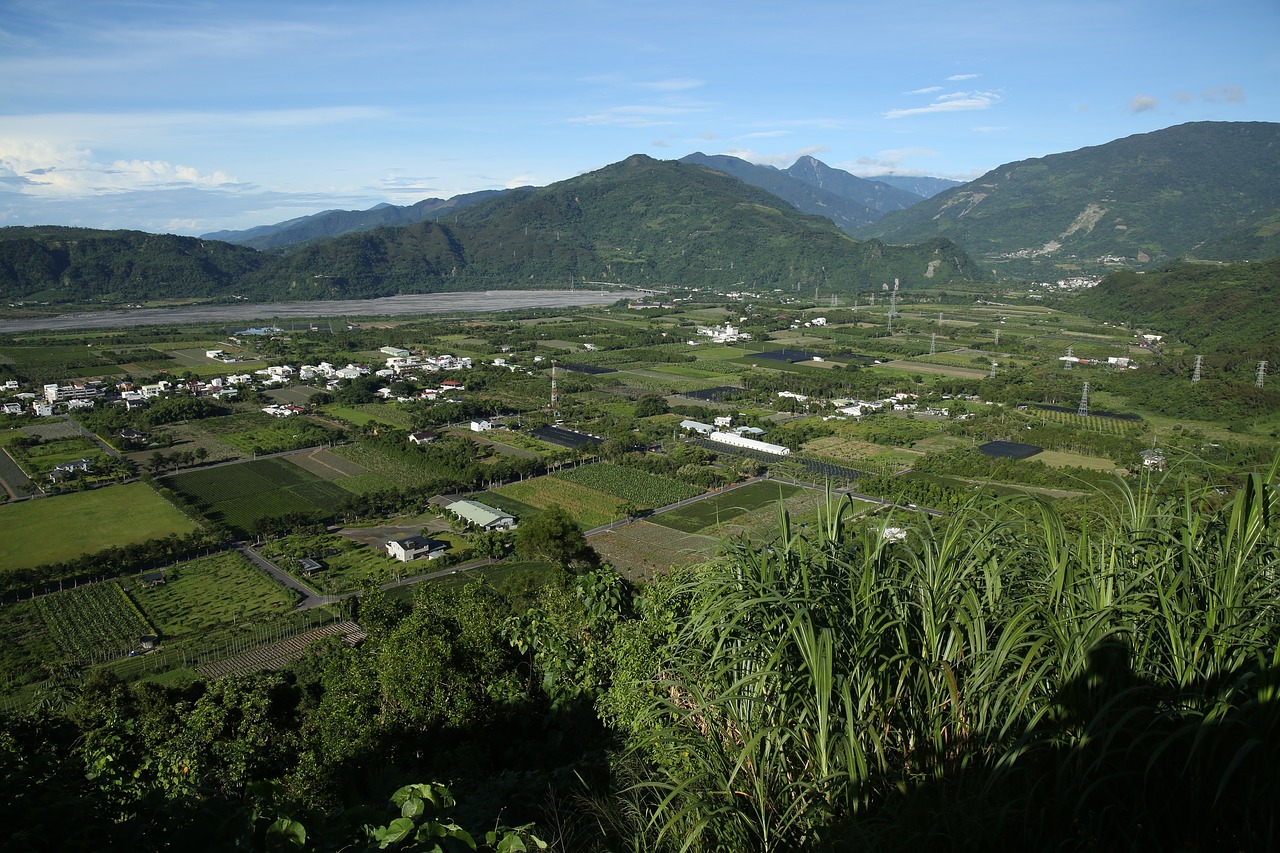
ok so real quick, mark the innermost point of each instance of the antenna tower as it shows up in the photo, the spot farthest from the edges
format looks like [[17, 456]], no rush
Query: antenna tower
[[1195, 374], [1262, 373], [1083, 411]]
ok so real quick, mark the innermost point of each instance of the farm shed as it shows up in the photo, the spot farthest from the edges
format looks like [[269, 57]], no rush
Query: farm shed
[[482, 515]]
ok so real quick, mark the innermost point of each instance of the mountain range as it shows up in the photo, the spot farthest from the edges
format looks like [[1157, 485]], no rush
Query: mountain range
[[1206, 190]]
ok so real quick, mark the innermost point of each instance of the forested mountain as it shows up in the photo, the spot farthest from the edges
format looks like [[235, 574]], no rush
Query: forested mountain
[[640, 222], [57, 264], [923, 186], [1227, 310], [811, 186], [1203, 189], [334, 223]]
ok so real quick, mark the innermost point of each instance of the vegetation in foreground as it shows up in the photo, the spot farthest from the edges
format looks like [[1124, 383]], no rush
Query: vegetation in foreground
[[1004, 678]]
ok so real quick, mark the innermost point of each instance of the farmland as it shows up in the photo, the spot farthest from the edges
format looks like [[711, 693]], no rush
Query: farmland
[[93, 623], [629, 484], [241, 495], [641, 548], [58, 528], [588, 507], [208, 592]]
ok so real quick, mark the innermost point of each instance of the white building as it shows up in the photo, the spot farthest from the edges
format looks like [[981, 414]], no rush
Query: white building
[[735, 440]]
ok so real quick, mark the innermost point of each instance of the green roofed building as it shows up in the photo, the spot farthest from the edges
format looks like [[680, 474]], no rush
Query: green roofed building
[[482, 515]]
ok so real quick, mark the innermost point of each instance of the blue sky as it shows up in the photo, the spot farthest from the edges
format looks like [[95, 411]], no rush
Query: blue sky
[[196, 116]]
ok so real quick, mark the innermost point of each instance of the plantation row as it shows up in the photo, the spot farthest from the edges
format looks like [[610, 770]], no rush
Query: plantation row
[[280, 653], [93, 623], [637, 487]]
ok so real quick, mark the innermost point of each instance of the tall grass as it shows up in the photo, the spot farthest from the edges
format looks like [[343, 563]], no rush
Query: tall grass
[[1001, 678]]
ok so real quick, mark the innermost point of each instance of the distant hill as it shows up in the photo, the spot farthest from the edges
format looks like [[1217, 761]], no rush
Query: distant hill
[[335, 223], [923, 186], [1204, 190], [56, 264], [641, 222], [811, 186], [1229, 310]]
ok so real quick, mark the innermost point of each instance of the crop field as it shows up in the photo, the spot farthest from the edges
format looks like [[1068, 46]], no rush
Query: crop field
[[210, 591], [242, 494], [588, 507], [347, 562], [24, 644], [1093, 423], [49, 530], [642, 548], [939, 369], [52, 430], [717, 510], [381, 472], [843, 449], [628, 484], [327, 465], [93, 623]]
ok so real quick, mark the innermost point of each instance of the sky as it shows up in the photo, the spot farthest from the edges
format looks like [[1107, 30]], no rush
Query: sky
[[191, 117]]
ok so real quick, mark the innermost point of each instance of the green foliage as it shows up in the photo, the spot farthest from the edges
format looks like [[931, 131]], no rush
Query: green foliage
[[553, 535], [629, 484], [1150, 198]]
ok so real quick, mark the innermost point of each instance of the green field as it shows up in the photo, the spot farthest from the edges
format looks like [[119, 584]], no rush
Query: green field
[[243, 494], [628, 484], [49, 530], [588, 507], [717, 510]]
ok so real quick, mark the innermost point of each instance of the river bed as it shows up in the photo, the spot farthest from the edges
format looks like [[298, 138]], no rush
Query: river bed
[[389, 306]]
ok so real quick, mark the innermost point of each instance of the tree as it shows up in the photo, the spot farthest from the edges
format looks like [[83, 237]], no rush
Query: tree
[[554, 535]]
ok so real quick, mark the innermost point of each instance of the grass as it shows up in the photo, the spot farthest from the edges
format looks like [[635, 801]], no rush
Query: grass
[[243, 494], [49, 530], [716, 510]]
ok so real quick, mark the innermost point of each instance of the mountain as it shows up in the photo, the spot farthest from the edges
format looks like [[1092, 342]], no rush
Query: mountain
[[334, 223], [1204, 189], [811, 186], [877, 196], [57, 264], [1227, 310], [923, 186], [641, 222]]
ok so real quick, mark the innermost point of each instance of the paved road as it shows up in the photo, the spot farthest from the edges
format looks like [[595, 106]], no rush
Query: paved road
[[310, 598]]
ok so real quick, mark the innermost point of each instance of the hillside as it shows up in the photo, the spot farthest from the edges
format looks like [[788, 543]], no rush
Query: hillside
[[811, 186], [1196, 190], [1226, 311], [57, 264], [335, 223], [641, 222]]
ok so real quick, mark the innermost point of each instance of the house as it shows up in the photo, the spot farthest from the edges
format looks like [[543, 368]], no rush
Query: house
[[698, 427], [422, 436], [132, 435], [482, 515], [481, 426], [159, 578], [413, 547], [1153, 460], [69, 469], [309, 567]]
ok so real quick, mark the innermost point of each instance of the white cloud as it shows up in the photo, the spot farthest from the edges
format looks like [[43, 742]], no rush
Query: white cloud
[[674, 84], [1143, 104], [779, 160], [50, 170], [766, 134], [1230, 94], [955, 78], [634, 115], [950, 103], [927, 90]]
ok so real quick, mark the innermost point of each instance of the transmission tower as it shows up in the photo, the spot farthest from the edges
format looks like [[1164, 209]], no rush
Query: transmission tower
[[992, 375], [1262, 373], [1070, 355], [1083, 411], [933, 344], [997, 337], [1195, 373], [893, 300], [554, 399], [891, 322]]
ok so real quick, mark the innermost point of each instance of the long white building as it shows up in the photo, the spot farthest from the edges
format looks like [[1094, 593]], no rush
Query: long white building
[[736, 440]]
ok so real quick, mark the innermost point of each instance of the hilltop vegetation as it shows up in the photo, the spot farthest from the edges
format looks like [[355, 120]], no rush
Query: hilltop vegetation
[[1204, 190], [641, 222]]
